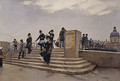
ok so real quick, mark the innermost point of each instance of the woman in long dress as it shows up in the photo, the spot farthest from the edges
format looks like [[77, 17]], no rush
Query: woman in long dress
[[48, 49]]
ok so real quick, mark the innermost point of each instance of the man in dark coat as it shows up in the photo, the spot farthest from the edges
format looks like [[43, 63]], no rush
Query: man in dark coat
[[62, 37], [83, 41], [29, 43], [90, 44], [86, 41], [51, 33], [41, 42]]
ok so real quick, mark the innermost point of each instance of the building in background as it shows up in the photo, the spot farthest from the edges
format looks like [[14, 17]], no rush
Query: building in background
[[115, 39]]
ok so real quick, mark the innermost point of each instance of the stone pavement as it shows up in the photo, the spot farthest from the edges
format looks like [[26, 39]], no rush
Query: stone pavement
[[17, 73]]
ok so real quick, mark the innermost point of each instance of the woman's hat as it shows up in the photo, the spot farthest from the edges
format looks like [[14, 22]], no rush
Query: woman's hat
[[40, 30], [52, 30]]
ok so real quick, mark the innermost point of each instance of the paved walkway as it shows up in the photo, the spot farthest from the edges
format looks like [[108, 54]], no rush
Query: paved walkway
[[16, 73]]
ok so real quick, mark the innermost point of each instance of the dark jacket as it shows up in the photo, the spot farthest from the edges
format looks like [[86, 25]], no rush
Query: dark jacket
[[86, 39], [29, 41], [51, 36], [48, 49], [62, 35], [41, 37], [83, 40], [48, 46]]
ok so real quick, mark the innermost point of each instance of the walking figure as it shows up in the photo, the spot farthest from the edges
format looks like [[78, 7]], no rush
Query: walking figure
[[21, 49], [29, 43], [41, 37], [83, 41], [15, 43], [90, 44], [86, 41], [62, 37], [46, 54], [51, 33]]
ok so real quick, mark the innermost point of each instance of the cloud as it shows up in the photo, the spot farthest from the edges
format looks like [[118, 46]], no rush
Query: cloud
[[104, 12], [27, 2], [31, 16], [90, 7]]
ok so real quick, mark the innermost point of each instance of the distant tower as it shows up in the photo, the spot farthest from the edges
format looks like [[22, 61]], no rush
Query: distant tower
[[115, 39]]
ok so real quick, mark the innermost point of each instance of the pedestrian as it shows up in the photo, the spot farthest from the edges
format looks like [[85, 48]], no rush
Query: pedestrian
[[42, 41], [62, 37], [51, 34], [86, 41], [90, 44], [83, 41], [29, 43], [46, 54], [21, 49], [15, 43]]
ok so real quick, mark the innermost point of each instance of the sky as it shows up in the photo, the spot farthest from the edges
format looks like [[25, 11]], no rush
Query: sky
[[94, 17]]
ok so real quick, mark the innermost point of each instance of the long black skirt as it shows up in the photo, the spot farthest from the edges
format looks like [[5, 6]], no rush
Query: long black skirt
[[47, 58]]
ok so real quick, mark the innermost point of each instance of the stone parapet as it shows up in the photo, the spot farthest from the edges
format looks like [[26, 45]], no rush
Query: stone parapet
[[5, 46], [101, 58]]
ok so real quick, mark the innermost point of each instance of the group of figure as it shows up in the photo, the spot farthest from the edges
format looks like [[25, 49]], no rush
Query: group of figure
[[85, 41], [45, 43], [23, 46], [89, 44], [42, 37]]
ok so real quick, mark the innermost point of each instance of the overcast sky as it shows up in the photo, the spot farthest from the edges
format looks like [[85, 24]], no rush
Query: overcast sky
[[95, 17]]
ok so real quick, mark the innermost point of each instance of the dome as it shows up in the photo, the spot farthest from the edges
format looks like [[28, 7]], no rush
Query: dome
[[114, 33]]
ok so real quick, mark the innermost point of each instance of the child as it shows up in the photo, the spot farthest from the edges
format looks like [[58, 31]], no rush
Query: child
[[21, 49]]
